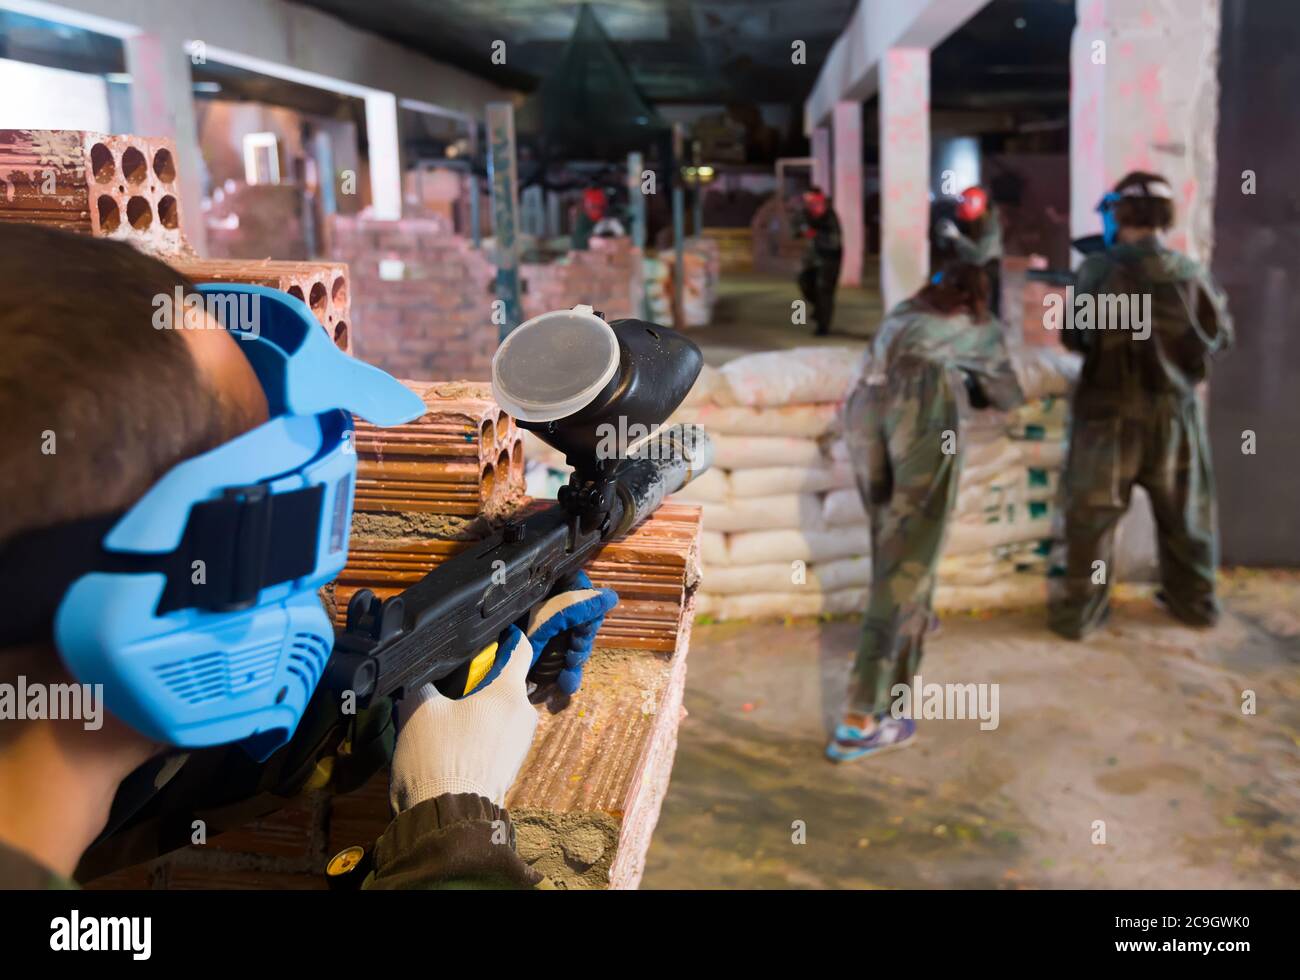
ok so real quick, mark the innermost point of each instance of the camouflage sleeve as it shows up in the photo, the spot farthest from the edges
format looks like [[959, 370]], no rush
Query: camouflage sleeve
[[967, 250], [1212, 313], [831, 242], [451, 841], [994, 373], [1088, 279]]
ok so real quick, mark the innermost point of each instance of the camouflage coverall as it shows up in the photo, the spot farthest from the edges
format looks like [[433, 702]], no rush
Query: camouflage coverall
[[985, 251], [1136, 418], [819, 273], [917, 384]]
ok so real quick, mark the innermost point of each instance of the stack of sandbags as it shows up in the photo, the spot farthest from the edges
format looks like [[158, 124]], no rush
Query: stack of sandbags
[[767, 550], [785, 532]]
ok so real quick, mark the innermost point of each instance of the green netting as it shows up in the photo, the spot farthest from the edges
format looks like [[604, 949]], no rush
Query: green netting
[[589, 107]]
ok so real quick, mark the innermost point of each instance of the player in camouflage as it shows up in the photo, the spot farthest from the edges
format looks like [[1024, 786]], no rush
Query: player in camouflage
[[819, 272], [936, 357], [1136, 417]]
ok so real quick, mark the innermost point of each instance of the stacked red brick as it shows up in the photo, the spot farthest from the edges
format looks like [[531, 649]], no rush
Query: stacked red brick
[[122, 187], [323, 286], [421, 298], [653, 569], [462, 458], [604, 276]]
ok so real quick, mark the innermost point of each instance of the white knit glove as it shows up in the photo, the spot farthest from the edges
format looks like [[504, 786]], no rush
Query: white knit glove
[[472, 745]]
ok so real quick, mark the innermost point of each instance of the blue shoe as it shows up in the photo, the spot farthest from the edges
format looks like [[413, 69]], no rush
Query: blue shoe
[[850, 744]]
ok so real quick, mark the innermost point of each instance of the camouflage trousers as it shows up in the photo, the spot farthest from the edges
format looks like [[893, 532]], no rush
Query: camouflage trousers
[[1160, 444], [897, 430]]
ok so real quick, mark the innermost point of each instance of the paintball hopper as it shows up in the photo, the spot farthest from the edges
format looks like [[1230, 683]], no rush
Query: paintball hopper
[[583, 384]]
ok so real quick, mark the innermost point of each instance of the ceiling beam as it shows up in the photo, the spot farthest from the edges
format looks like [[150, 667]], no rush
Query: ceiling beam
[[851, 70]]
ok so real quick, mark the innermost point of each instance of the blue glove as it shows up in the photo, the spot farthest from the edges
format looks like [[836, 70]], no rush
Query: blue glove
[[578, 614]]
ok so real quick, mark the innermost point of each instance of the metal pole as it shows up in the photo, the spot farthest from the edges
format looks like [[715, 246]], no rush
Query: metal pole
[[505, 209], [679, 224], [636, 221], [475, 221]]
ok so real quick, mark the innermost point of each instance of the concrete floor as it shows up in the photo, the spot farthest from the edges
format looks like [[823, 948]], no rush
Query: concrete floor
[[753, 313], [1140, 727]]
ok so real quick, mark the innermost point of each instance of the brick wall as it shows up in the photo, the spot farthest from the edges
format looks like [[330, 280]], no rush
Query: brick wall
[[433, 318], [605, 277]]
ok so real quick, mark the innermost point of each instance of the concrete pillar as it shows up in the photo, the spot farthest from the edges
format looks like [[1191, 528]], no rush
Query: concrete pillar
[[821, 154], [384, 155], [1145, 93], [904, 173], [503, 172], [162, 104], [847, 190]]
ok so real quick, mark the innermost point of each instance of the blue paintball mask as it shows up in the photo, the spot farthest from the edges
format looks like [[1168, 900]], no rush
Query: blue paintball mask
[[197, 608], [1109, 224]]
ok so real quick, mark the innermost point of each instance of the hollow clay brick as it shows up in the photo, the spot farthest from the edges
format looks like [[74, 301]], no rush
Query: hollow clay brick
[[120, 187]]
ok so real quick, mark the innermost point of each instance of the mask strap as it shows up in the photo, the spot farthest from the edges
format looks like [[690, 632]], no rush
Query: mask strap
[[247, 539]]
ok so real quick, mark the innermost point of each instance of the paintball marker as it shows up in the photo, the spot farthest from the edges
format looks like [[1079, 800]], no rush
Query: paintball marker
[[596, 391]]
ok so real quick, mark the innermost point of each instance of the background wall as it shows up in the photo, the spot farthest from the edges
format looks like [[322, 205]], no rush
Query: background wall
[[1257, 253]]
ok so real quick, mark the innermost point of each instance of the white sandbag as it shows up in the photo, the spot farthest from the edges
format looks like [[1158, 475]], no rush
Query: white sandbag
[[765, 481], [787, 576], [1041, 455], [711, 486], [1011, 592], [755, 547], [747, 452], [780, 605], [1135, 555], [710, 388], [1040, 418], [967, 536], [713, 549], [840, 507], [803, 375], [789, 510], [981, 568], [1045, 371], [1016, 485], [800, 421]]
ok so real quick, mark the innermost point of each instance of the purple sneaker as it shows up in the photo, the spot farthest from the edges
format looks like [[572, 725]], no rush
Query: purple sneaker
[[890, 733]]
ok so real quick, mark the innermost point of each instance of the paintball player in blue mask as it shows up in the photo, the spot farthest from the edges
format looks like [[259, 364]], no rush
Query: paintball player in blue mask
[[177, 472], [1136, 416]]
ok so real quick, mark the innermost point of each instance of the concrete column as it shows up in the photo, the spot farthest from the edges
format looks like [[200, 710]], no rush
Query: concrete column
[[385, 155], [162, 104], [503, 173], [904, 173], [847, 190], [1145, 93], [821, 154]]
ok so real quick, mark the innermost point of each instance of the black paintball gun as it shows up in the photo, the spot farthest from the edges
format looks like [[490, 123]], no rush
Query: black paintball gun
[[596, 391]]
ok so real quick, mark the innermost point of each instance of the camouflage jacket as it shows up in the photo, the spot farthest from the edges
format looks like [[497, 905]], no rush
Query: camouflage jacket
[[986, 247], [826, 239], [978, 350], [1156, 317]]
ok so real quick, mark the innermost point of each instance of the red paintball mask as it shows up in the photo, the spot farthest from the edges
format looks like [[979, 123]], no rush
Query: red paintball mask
[[814, 203], [593, 203], [974, 202]]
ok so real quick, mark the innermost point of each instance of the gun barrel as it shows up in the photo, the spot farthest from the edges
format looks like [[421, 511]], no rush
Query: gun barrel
[[660, 465]]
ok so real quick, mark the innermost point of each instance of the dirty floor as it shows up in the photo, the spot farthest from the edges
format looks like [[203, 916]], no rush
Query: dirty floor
[[1137, 734], [753, 313]]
